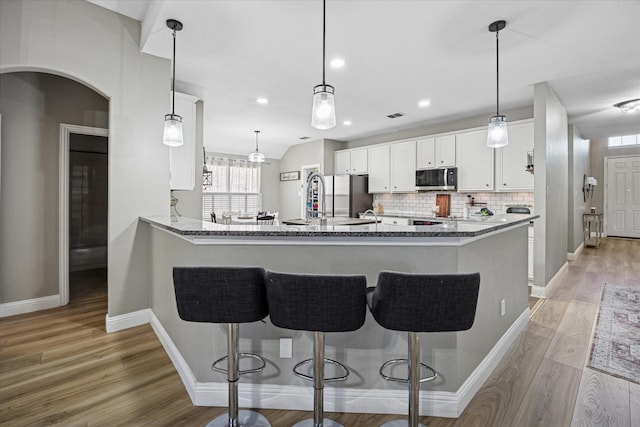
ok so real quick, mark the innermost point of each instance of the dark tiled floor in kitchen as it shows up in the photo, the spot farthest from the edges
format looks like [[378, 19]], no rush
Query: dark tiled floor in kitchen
[[87, 284]]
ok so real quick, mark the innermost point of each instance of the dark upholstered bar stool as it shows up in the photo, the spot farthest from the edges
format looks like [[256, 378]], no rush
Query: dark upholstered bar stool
[[229, 295], [421, 303], [318, 303]]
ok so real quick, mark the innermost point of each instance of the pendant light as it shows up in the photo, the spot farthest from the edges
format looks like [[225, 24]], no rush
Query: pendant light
[[173, 122], [323, 113], [497, 136], [256, 156]]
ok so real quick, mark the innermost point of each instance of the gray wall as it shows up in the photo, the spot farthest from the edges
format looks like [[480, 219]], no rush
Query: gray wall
[[551, 184], [435, 128], [101, 49], [32, 106], [578, 168], [599, 151], [270, 185]]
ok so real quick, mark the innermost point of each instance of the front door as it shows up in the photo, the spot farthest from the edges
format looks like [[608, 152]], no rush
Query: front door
[[623, 197]]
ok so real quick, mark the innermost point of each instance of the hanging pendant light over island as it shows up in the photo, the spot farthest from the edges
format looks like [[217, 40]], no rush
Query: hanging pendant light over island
[[323, 113], [173, 122], [497, 136]]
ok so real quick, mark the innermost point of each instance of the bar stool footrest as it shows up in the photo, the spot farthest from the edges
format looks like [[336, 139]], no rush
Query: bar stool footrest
[[296, 370], [431, 377], [240, 372]]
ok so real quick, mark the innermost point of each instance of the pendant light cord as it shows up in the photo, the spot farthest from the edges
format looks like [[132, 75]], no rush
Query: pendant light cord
[[324, 14], [173, 79], [497, 76]]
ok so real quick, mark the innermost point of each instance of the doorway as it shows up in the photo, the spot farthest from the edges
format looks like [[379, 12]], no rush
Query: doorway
[[623, 196], [83, 212]]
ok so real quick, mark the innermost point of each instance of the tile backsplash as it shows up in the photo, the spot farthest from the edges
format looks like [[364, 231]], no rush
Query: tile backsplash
[[419, 204]]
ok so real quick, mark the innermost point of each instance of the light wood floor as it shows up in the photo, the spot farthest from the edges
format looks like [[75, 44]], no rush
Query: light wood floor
[[60, 367]]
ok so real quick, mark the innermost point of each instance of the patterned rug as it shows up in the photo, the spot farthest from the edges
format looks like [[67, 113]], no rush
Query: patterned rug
[[616, 341]]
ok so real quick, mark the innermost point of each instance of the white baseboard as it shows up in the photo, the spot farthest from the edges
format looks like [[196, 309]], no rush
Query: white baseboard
[[543, 291], [128, 320], [380, 401], [572, 256], [29, 305]]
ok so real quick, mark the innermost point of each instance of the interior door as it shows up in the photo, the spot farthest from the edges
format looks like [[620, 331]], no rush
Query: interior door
[[623, 197]]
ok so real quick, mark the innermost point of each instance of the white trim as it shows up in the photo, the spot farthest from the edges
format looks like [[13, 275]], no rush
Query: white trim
[[572, 256], [543, 291], [29, 305], [128, 320], [63, 205], [380, 401]]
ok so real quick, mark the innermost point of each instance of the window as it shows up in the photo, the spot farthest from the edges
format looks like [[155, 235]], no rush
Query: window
[[235, 188], [623, 141]]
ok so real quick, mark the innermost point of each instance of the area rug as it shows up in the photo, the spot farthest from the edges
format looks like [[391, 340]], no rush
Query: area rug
[[616, 340]]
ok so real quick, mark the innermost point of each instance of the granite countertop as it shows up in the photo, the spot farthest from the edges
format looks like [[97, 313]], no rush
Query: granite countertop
[[448, 229]]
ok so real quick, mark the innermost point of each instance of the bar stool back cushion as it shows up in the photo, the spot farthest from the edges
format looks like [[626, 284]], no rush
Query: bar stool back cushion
[[319, 303], [425, 302], [220, 294]]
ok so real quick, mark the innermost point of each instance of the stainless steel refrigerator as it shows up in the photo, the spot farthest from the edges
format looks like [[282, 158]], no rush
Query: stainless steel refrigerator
[[347, 195]]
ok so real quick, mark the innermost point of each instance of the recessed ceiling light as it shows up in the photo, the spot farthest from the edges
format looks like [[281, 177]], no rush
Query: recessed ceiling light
[[262, 100], [347, 123], [424, 103], [337, 63]]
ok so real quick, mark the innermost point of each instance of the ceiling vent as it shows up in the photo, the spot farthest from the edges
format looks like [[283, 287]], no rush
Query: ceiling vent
[[304, 137], [395, 115]]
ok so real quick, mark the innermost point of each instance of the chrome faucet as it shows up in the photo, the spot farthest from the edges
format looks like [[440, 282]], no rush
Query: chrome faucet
[[323, 219], [368, 211]]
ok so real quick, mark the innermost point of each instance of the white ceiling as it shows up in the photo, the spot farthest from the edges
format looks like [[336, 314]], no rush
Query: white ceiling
[[397, 52]]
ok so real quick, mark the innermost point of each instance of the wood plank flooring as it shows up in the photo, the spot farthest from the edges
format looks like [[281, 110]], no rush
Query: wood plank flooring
[[60, 367]]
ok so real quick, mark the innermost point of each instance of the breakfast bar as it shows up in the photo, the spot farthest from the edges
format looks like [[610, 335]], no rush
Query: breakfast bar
[[496, 247]]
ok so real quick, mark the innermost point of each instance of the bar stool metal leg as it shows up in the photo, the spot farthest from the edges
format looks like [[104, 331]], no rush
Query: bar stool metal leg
[[318, 387], [414, 385], [235, 418]]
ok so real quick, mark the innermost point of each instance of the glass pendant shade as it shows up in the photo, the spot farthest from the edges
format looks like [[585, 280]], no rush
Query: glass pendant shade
[[323, 112], [256, 157], [172, 130], [497, 136]]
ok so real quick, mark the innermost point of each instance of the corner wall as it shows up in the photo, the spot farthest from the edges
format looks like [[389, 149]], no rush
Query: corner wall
[[551, 159], [99, 48]]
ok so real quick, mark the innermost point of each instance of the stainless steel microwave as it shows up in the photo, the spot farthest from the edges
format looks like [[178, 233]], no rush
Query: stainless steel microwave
[[437, 179]]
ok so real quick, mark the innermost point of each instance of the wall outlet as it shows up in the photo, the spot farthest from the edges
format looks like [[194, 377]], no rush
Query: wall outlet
[[503, 307], [286, 348]]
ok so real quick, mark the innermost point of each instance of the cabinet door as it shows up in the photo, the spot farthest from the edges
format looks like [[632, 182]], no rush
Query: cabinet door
[[475, 161], [511, 160], [378, 158], [403, 172], [342, 163], [445, 150], [359, 162], [425, 153], [182, 159]]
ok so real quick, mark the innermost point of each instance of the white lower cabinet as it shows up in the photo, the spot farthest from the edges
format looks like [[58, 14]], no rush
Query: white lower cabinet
[[475, 161], [392, 220]]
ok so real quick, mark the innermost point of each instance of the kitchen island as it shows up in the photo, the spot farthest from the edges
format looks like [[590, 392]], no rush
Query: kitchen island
[[496, 247]]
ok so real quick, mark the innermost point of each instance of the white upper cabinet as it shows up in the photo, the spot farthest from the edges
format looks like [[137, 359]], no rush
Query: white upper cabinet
[[378, 159], [182, 159], [511, 161], [475, 161], [342, 162], [403, 172], [359, 163], [352, 162], [436, 152]]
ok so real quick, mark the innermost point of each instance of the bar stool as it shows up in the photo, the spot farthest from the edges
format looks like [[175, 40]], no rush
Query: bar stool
[[417, 303], [318, 303], [229, 295]]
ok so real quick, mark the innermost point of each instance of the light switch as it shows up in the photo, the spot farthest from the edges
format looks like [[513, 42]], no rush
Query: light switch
[[286, 348]]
